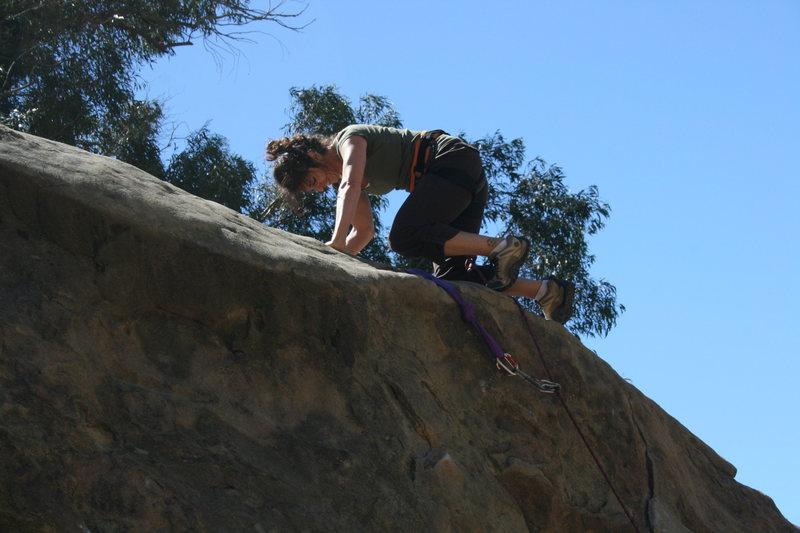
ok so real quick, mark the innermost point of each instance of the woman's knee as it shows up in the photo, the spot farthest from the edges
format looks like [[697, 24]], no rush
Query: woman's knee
[[405, 240], [426, 240]]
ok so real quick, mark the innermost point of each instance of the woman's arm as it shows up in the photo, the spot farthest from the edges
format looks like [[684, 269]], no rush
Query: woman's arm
[[354, 159], [363, 226]]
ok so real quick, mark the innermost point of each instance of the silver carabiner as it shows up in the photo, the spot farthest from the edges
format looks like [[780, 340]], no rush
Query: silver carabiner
[[547, 387], [511, 367]]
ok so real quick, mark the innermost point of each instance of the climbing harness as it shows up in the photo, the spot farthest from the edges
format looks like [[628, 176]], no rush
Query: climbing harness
[[423, 153], [505, 362]]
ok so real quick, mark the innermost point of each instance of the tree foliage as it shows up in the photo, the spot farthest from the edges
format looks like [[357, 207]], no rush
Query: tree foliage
[[68, 69], [206, 168], [134, 135], [525, 198]]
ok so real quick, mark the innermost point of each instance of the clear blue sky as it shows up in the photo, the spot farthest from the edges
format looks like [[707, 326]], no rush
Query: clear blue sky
[[685, 114]]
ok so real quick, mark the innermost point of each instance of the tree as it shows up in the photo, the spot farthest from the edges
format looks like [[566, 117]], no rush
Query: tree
[[68, 70], [207, 169], [527, 199], [133, 136]]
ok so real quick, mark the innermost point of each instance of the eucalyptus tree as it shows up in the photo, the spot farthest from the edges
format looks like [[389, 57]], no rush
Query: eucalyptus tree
[[208, 169], [69, 69]]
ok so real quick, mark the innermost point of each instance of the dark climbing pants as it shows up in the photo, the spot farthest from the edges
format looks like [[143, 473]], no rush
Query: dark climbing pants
[[450, 197]]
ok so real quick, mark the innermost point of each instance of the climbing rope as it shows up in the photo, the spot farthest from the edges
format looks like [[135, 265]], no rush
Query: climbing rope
[[573, 419], [505, 362]]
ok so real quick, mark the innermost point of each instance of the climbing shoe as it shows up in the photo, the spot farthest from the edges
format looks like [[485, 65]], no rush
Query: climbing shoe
[[507, 263], [557, 301]]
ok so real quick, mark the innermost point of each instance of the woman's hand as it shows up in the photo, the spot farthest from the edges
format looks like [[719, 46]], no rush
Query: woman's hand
[[363, 229], [340, 246]]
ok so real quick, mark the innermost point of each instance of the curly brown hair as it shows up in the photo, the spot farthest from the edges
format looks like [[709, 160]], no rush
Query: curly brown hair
[[291, 157]]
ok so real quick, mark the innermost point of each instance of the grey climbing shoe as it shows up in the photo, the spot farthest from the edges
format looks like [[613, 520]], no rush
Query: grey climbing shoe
[[557, 301], [507, 263]]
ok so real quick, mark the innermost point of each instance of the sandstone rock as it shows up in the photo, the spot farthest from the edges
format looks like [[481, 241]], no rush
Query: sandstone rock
[[169, 365]]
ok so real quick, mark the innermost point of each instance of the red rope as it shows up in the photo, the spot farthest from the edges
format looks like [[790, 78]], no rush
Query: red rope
[[572, 418]]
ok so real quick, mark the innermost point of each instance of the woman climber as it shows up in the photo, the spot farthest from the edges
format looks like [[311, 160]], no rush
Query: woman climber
[[439, 220]]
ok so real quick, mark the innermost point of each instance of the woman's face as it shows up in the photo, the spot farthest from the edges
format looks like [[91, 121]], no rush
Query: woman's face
[[318, 178]]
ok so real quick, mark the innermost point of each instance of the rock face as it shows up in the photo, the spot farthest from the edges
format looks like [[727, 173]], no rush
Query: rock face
[[169, 365]]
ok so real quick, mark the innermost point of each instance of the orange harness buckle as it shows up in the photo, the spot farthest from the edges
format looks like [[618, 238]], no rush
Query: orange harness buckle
[[423, 150]]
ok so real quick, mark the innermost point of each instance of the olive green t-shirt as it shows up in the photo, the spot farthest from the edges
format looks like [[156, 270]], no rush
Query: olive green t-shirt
[[389, 154]]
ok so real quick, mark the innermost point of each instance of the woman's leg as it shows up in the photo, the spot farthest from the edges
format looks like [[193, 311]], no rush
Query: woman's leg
[[464, 243], [467, 243], [441, 218], [425, 220]]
